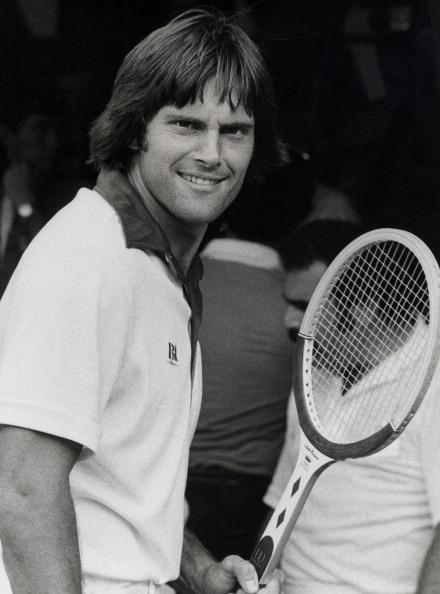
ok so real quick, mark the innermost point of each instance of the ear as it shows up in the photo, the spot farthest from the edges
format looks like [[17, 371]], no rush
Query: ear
[[137, 146]]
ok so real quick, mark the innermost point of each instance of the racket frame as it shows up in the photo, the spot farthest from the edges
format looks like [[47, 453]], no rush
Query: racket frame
[[338, 451], [316, 452], [302, 362]]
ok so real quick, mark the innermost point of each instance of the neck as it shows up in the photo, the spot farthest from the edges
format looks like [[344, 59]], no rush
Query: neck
[[184, 246], [184, 238]]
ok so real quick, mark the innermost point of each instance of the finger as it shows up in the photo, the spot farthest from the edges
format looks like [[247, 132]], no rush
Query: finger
[[243, 571]]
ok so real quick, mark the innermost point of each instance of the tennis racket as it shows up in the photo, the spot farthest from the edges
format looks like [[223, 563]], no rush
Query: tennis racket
[[365, 356]]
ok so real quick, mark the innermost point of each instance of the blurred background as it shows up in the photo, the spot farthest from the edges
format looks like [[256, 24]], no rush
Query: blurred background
[[356, 82]]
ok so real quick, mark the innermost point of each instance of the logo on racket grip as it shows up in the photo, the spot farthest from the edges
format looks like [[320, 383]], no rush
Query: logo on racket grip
[[262, 554]]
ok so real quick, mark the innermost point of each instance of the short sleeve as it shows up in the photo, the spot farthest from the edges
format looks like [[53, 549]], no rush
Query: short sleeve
[[62, 329]]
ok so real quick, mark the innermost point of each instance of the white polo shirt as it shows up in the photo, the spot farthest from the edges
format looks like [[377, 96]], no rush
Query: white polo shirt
[[95, 347]]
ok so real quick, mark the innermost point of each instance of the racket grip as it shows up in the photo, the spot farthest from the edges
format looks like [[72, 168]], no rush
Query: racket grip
[[267, 553], [262, 554]]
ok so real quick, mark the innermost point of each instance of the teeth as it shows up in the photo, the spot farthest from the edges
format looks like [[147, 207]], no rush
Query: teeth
[[200, 181]]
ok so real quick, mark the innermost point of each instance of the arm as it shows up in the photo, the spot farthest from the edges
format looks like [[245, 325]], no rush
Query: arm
[[429, 581], [205, 575], [37, 518]]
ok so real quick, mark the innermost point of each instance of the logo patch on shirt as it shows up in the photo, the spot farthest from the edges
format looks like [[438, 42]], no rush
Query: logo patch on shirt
[[172, 354]]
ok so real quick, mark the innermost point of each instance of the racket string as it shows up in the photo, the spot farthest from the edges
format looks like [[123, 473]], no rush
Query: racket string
[[373, 292], [362, 368], [365, 415]]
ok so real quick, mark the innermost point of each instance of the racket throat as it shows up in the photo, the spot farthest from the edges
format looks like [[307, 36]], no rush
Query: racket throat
[[310, 463]]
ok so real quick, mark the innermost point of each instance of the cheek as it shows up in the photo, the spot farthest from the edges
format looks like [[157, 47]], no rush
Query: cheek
[[248, 156], [153, 163], [240, 157], [161, 149]]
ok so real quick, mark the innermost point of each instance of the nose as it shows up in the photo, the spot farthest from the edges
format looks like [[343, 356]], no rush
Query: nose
[[209, 149], [293, 318]]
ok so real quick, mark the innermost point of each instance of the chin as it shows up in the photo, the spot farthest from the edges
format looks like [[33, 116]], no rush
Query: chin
[[191, 221], [201, 218], [198, 225]]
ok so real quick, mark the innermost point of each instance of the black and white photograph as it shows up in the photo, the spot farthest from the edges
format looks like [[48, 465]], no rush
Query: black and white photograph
[[220, 297]]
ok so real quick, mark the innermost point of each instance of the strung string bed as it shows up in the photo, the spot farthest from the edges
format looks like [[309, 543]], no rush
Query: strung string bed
[[370, 332]]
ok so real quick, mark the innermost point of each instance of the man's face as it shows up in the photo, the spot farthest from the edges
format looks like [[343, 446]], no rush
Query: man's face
[[195, 159], [298, 288]]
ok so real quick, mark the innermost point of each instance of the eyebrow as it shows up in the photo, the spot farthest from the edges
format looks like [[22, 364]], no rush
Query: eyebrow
[[247, 124]]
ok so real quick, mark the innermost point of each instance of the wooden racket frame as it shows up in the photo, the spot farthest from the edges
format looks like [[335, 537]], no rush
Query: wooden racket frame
[[316, 452], [302, 381]]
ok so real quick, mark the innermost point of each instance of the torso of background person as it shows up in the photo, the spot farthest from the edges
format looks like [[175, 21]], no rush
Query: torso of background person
[[247, 359], [367, 523], [95, 348]]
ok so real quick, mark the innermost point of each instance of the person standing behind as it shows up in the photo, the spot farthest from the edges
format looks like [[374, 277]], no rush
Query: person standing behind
[[370, 524], [306, 254], [247, 362], [32, 149], [100, 378]]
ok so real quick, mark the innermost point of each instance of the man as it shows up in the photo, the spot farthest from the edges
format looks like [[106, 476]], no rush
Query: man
[[306, 254], [247, 361], [369, 525], [99, 365]]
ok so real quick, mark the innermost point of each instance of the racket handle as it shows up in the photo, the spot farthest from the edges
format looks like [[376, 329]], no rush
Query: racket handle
[[309, 465]]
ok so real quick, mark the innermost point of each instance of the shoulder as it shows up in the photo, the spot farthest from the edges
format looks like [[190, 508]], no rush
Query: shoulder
[[86, 222], [85, 235], [77, 258]]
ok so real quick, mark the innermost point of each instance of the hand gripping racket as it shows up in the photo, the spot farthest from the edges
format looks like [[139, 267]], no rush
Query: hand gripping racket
[[365, 356]]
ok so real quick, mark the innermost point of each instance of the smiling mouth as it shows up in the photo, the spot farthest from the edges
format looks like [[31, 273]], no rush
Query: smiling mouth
[[200, 181]]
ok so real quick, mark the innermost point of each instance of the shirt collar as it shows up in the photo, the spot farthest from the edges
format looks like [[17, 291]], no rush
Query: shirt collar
[[140, 228], [243, 252], [397, 363], [143, 232]]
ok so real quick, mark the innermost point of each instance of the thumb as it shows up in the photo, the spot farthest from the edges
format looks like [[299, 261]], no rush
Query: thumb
[[243, 571]]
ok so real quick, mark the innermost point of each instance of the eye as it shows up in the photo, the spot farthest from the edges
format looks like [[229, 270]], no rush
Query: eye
[[234, 131], [183, 123], [186, 125]]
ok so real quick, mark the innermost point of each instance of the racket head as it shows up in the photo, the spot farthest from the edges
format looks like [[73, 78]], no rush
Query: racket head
[[368, 344]]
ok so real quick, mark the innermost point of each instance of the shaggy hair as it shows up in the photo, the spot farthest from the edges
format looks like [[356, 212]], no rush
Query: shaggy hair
[[172, 66]]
